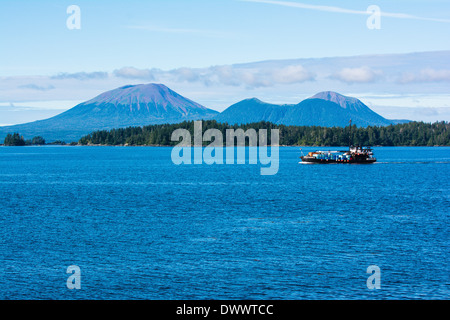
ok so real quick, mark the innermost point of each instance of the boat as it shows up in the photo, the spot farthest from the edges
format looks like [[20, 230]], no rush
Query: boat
[[357, 154], [354, 154]]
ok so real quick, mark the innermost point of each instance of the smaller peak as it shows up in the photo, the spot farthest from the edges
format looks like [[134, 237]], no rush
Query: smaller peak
[[253, 100], [327, 95], [345, 102]]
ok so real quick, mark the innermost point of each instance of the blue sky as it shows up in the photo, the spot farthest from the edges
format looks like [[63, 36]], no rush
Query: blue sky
[[121, 41]]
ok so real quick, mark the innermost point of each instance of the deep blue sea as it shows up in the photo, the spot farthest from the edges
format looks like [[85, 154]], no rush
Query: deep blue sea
[[140, 227]]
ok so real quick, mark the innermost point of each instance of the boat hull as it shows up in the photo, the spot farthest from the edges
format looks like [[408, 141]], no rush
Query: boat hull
[[326, 161]]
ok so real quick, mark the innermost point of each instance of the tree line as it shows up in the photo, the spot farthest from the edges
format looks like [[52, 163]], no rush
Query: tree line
[[405, 134], [16, 139]]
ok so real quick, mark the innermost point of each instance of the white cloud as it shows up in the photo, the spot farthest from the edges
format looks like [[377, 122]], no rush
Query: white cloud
[[134, 73], [183, 74], [357, 75], [259, 76], [292, 74], [425, 75], [225, 75], [231, 75]]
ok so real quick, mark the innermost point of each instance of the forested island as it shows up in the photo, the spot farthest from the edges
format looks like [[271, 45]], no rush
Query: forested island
[[406, 134], [15, 139]]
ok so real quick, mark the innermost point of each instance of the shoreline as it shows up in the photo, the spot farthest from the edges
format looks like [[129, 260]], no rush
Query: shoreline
[[169, 146]]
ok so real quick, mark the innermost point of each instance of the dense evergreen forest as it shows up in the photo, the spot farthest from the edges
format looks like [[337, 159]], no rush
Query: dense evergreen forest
[[406, 134], [14, 140], [17, 140]]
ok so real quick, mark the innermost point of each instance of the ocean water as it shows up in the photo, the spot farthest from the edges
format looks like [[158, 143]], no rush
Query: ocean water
[[140, 227]]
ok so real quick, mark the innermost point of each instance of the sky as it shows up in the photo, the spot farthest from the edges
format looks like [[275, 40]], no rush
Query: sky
[[218, 52]]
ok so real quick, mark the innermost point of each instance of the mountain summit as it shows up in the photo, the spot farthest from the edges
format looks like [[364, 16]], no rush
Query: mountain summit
[[148, 99], [360, 114], [132, 105], [345, 102]]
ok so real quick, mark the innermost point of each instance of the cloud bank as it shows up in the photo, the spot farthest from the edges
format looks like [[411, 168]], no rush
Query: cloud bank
[[227, 75], [277, 81], [425, 75]]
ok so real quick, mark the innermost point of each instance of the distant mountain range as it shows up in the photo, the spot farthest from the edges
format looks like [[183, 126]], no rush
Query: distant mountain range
[[138, 105], [327, 109]]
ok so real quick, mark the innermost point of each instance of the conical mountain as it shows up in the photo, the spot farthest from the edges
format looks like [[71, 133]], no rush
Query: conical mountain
[[251, 110], [133, 105]]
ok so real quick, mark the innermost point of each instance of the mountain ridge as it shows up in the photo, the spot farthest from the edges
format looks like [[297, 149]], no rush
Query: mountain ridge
[[325, 108], [145, 104]]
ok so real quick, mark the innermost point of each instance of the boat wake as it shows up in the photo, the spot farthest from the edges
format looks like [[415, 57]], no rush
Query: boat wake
[[395, 162], [413, 162]]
